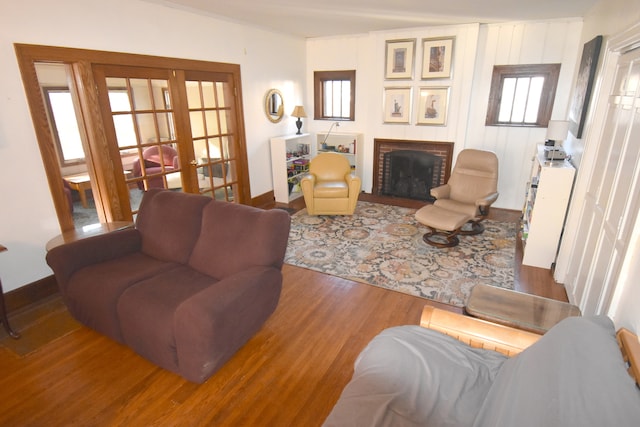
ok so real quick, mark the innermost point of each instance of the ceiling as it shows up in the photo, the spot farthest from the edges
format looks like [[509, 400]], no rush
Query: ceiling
[[317, 18]]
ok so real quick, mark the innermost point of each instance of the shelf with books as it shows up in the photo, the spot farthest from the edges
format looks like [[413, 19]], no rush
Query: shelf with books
[[546, 202], [290, 156]]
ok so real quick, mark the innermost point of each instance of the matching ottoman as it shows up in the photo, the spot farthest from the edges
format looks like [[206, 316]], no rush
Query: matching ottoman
[[444, 225]]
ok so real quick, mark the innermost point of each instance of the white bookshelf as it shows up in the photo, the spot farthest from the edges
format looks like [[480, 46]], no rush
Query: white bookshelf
[[286, 151], [545, 208]]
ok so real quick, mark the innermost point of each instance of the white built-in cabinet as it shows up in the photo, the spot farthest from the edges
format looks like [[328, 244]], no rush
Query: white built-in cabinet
[[545, 208], [290, 155]]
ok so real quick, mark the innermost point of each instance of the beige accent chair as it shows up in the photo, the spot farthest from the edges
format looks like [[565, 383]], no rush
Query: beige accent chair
[[329, 188], [463, 202]]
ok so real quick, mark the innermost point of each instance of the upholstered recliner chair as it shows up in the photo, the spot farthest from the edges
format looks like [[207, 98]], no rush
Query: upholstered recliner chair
[[463, 202], [155, 158], [329, 188]]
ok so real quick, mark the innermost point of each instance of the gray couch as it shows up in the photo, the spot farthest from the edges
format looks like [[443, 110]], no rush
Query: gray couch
[[187, 287], [574, 375]]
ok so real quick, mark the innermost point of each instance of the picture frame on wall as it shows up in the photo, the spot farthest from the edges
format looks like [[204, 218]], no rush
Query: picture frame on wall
[[397, 104], [433, 103], [400, 59], [584, 85], [437, 55]]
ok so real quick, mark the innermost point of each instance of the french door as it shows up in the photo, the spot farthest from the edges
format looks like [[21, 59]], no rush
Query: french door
[[143, 122], [171, 129], [612, 201]]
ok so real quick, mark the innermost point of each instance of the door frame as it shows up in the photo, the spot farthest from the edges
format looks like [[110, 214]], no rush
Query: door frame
[[107, 188]]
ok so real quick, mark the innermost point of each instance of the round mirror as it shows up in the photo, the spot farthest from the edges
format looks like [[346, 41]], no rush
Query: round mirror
[[274, 105]]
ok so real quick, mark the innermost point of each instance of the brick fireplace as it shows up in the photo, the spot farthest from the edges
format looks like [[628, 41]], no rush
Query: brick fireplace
[[409, 169]]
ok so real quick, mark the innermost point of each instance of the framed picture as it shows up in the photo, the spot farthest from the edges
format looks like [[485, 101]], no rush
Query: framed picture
[[584, 84], [436, 58], [433, 103], [397, 104], [400, 59]]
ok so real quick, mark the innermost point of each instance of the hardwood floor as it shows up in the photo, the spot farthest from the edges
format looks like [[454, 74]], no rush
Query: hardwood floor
[[290, 374]]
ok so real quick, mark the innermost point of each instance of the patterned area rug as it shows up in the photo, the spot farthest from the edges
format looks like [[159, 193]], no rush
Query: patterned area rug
[[382, 245]]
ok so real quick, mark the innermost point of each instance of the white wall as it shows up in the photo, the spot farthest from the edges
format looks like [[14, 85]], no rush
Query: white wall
[[477, 49], [513, 44], [366, 54], [267, 60]]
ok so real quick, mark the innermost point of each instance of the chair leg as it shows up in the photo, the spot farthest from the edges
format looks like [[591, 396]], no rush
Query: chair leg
[[441, 239], [472, 228]]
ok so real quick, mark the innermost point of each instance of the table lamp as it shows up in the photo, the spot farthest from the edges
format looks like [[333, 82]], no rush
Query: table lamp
[[298, 111], [557, 130]]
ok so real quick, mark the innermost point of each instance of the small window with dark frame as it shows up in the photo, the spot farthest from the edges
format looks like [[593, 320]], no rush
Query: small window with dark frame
[[334, 95], [522, 95]]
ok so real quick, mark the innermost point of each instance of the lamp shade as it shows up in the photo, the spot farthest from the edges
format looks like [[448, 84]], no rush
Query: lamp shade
[[298, 111], [557, 130]]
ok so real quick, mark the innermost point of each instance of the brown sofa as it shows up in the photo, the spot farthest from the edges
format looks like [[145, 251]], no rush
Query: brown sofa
[[187, 287]]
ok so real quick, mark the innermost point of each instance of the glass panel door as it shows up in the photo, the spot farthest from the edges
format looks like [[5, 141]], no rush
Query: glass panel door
[[174, 130], [214, 136], [143, 121]]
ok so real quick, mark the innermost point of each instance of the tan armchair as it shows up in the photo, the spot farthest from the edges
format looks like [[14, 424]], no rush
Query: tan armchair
[[463, 201], [472, 187], [329, 188]]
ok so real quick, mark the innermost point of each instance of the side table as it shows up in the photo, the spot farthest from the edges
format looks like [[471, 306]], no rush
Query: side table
[[3, 310], [516, 309], [74, 235], [81, 183]]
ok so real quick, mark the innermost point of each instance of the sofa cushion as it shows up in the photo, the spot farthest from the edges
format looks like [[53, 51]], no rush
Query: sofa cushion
[[169, 223], [412, 376], [573, 376], [146, 312], [92, 293], [222, 248]]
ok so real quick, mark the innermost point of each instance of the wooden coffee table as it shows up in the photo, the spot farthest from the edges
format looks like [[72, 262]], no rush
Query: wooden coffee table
[[516, 309]]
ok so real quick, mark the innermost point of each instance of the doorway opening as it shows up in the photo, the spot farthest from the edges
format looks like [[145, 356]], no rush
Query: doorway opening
[[141, 122]]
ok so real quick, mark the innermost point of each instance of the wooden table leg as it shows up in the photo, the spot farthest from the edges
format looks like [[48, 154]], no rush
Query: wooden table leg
[[3, 316]]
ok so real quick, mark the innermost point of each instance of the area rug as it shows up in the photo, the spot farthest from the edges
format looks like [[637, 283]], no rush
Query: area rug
[[382, 245]]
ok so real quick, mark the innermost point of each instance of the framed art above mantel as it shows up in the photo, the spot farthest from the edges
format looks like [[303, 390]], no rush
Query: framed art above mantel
[[433, 103], [400, 59], [397, 104], [437, 55]]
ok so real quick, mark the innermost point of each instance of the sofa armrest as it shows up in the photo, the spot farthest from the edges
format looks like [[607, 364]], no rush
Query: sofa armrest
[[214, 323], [487, 200], [441, 192], [353, 182], [477, 333], [66, 259], [308, 181]]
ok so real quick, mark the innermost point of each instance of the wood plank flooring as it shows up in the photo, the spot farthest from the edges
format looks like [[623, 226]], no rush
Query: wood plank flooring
[[290, 374]]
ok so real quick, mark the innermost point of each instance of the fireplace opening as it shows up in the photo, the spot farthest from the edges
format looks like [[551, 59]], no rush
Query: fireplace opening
[[410, 174]]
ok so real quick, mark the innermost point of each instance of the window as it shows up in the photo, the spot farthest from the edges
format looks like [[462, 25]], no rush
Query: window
[[334, 95], [522, 95], [65, 126]]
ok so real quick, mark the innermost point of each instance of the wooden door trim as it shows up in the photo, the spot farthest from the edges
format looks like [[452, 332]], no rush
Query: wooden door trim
[[100, 165]]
